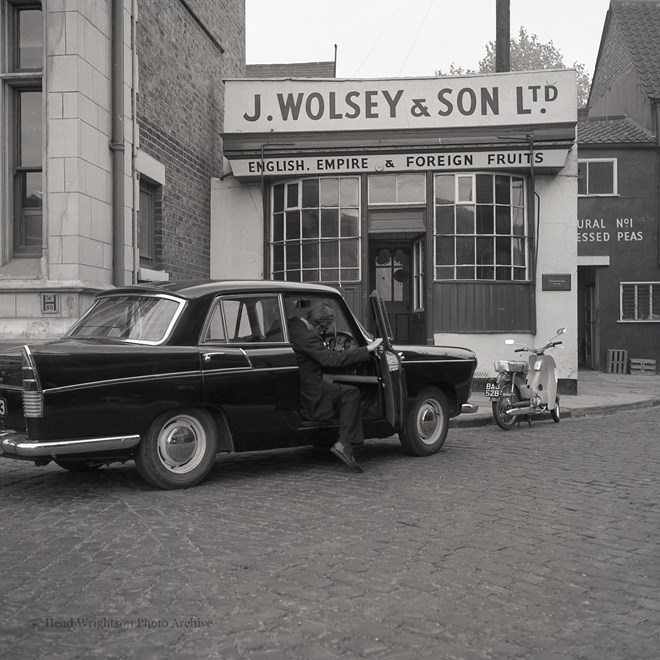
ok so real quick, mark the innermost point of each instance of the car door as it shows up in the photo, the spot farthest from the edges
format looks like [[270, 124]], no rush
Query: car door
[[249, 371], [389, 363]]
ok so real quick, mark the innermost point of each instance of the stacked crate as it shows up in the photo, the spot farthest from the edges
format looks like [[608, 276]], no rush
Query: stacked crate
[[617, 361], [642, 366]]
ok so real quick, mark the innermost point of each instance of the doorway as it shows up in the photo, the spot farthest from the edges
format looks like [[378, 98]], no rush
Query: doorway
[[588, 318], [392, 267]]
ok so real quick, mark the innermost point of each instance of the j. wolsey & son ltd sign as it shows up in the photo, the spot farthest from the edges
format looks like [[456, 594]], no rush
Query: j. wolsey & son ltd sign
[[301, 105]]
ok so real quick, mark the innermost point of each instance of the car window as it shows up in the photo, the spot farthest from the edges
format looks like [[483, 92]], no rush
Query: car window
[[296, 305], [132, 318], [245, 319]]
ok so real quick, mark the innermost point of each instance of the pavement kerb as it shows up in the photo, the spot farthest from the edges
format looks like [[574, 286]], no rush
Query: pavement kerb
[[483, 417]]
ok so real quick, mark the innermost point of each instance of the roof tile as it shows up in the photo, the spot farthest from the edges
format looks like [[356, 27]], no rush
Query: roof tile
[[612, 130]]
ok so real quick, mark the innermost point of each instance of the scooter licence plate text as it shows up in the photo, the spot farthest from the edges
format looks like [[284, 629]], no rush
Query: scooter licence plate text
[[492, 390]]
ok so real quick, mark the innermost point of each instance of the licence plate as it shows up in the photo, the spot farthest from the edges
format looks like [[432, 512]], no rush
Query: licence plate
[[3, 407], [492, 390]]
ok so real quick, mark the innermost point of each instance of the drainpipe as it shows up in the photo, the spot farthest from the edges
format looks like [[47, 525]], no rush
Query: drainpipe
[[656, 130], [117, 142]]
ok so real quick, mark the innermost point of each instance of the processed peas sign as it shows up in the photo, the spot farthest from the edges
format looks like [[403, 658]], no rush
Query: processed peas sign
[[300, 105]]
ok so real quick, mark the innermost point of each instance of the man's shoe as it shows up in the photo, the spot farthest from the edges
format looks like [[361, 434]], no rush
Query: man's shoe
[[345, 453]]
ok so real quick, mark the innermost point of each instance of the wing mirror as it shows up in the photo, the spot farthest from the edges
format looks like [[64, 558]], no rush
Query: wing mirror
[[561, 331]]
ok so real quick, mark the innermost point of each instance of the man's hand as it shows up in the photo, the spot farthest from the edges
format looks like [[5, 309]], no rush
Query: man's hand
[[371, 347]]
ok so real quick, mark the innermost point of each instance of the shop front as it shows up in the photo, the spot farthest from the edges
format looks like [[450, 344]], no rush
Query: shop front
[[454, 198]]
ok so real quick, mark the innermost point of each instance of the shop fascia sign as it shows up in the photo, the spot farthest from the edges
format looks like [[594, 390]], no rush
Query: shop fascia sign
[[381, 163], [317, 105]]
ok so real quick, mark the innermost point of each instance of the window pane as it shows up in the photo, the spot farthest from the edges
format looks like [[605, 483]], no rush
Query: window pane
[[465, 273], [518, 219], [444, 189], [503, 273], [293, 256], [310, 193], [485, 273], [330, 275], [31, 129], [443, 273], [292, 195], [30, 39], [464, 250], [278, 227], [350, 225], [278, 258], [329, 254], [310, 255], [411, 188], [348, 191], [444, 219], [484, 219], [502, 190], [518, 252], [292, 225], [444, 248], [312, 275], [465, 219], [503, 250], [350, 252], [484, 189], [330, 223], [310, 220], [465, 192], [503, 220], [485, 250], [329, 192], [31, 211], [382, 188], [278, 197], [517, 192], [601, 178]]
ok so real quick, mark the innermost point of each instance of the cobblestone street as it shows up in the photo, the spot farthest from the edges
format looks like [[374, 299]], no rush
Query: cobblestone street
[[536, 543]]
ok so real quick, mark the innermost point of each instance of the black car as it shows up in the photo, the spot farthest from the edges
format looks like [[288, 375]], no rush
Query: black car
[[169, 375]]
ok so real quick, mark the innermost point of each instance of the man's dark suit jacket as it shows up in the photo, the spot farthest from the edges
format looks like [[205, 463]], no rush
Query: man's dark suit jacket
[[312, 356]]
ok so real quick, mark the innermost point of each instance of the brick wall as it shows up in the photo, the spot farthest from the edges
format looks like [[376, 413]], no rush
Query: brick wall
[[180, 115]]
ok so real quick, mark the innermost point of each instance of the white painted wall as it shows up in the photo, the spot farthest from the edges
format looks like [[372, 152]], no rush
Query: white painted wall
[[237, 230]]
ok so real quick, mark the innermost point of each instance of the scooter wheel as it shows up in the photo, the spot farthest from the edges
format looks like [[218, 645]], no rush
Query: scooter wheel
[[556, 413], [508, 396]]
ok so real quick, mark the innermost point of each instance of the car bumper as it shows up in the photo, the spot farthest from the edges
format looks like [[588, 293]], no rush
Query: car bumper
[[16, 445], [468, 408]]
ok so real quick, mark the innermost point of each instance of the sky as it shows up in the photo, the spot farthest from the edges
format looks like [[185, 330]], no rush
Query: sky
[[412, 38]]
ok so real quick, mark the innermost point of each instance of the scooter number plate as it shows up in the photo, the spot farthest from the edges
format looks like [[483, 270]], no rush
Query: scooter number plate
[[492, 390]]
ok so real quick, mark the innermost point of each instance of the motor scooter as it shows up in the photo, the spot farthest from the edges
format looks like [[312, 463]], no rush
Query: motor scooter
[[525, 388]]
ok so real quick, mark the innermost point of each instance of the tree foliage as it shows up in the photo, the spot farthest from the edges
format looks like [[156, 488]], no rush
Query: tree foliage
[[528, 54]]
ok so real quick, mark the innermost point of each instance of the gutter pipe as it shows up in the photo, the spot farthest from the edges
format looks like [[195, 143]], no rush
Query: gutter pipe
[[117, 145]]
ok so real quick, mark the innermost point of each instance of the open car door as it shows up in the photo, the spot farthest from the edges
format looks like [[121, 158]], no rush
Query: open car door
[[391, 371]]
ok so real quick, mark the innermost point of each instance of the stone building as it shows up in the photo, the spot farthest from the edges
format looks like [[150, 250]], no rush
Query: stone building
[[112, 115]]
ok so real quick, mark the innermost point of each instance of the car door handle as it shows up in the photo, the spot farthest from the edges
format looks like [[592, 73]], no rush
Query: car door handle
[[207, 356]]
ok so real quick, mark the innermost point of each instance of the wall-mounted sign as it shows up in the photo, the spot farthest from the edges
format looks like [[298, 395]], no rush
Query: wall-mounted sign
[[559, 282], [50, 303], [356, 163], [327, 104]]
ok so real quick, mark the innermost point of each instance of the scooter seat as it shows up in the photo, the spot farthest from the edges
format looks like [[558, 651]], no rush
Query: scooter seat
[[516, 366]]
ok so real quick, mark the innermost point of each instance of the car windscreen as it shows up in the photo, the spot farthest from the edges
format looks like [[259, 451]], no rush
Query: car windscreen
[[133, 318]]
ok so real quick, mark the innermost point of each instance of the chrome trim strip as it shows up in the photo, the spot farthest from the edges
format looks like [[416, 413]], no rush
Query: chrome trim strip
[[140, 379], [15, 445], [13, 388], [469, 408]]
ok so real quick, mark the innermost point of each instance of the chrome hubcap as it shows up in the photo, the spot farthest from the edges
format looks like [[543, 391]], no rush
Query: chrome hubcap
[[181, 444], [429, 422]]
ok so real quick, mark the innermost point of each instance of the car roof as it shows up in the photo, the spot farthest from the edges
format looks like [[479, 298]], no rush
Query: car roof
[[191, 289]]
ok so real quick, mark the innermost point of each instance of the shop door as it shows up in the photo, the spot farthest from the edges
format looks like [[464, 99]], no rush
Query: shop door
[[391, 278], [589, 325]]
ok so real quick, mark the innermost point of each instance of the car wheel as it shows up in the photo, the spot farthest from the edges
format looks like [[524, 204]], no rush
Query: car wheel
[[178, 450], [508, 396], [556, 413], [427, 424], [78, 466]]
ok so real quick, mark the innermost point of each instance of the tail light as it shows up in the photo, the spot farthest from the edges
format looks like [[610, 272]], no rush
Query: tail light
[[33, 397]]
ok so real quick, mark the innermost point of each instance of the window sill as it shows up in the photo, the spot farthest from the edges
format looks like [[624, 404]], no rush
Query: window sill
[[150, 275]]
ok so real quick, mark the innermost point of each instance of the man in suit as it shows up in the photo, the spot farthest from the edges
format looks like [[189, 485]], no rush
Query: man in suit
[[320, 398]]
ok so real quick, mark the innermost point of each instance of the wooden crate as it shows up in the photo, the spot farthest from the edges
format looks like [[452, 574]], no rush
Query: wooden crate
[[642, 366], [617, 361]]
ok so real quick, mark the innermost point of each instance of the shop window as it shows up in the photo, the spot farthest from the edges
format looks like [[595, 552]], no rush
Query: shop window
[[418, 275], [639, 301], [21, 77], [315, 234], [597, 176], [397, 189], [480, 227]]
